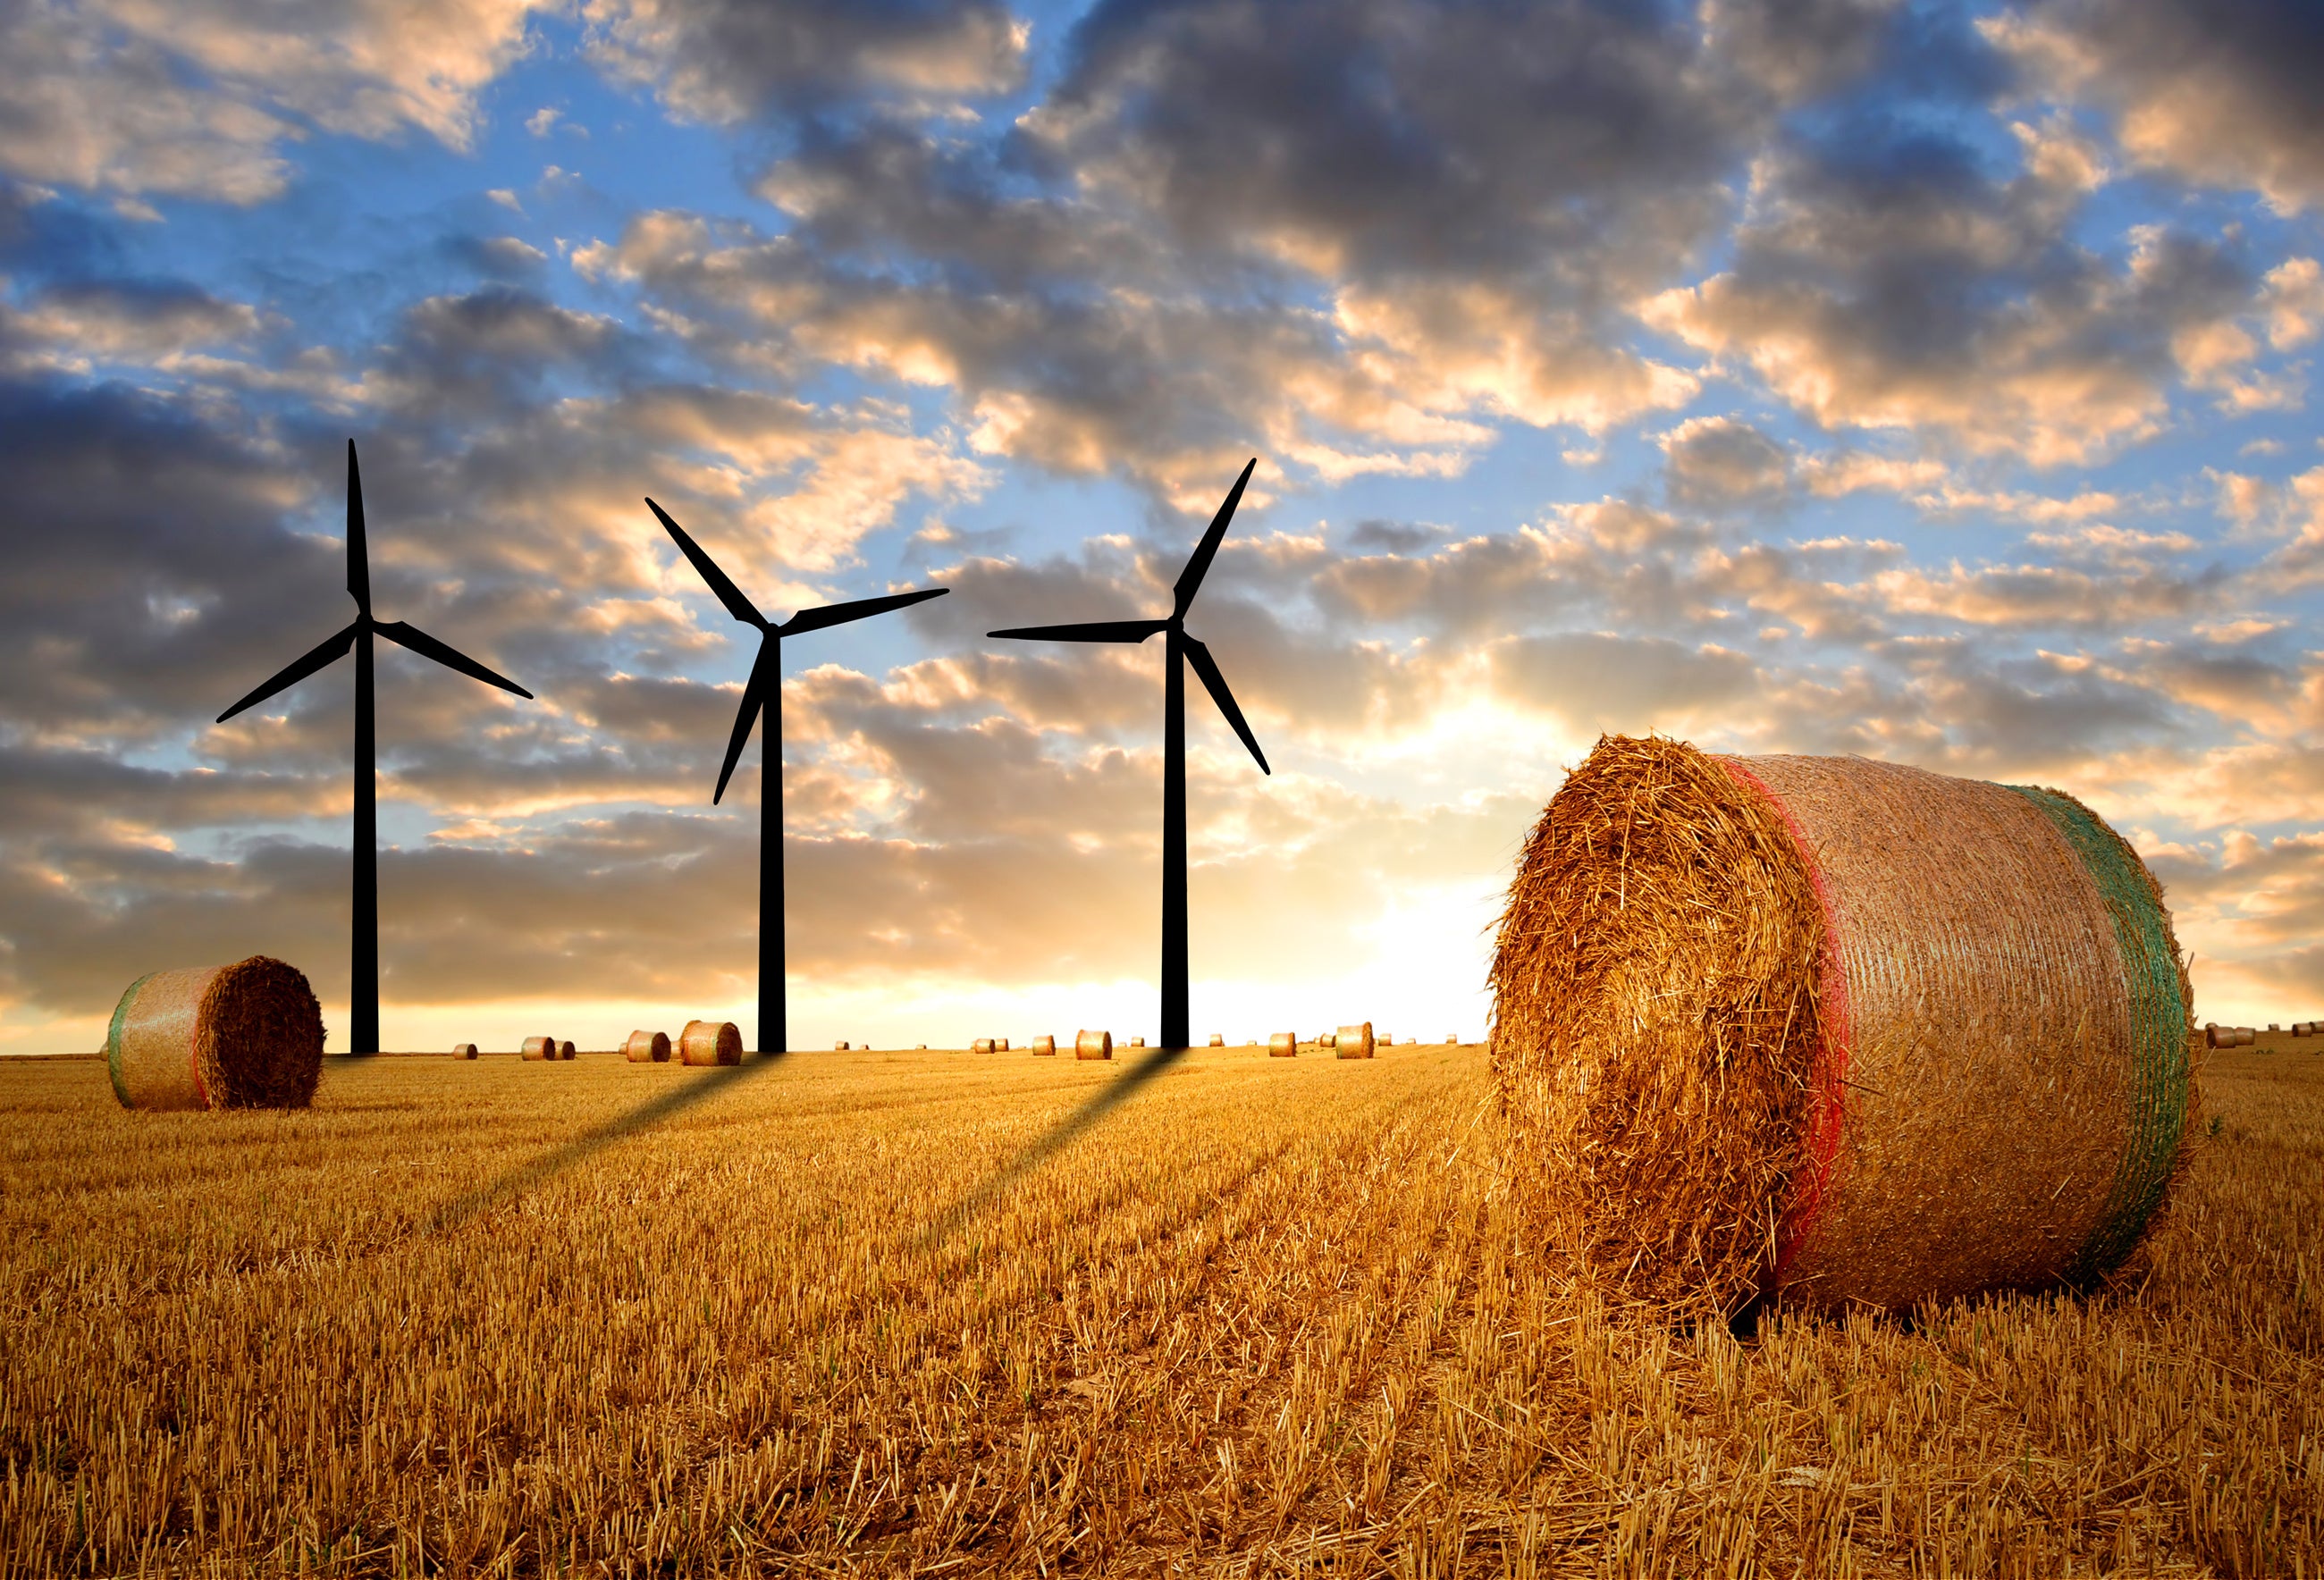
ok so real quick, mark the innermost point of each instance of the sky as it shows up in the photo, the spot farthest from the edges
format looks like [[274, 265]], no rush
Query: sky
[[1926, 381]]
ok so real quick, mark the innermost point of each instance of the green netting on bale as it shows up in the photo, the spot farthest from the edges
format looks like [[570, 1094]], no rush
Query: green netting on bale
[[113, 1040], [2160, 1072]]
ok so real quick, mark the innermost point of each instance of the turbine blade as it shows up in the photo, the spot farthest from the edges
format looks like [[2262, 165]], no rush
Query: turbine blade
[[321, 653], [754, 692], [728, 594], [358, 549], [831, 614], [444, 653], [1095, 630], [1216, 685], [1191, 579]]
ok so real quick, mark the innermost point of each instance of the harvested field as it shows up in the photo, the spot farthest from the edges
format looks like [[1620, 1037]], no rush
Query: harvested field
[[1258, 1317]]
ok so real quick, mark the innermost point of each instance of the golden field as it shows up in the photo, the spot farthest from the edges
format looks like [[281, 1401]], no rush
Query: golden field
[[883, 1313]]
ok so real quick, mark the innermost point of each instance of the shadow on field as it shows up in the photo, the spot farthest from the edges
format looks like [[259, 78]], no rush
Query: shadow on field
[[1101, 1102], [701, 1089]]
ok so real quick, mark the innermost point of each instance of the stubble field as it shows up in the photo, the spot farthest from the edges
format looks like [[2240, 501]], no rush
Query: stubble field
[[928, 1312]]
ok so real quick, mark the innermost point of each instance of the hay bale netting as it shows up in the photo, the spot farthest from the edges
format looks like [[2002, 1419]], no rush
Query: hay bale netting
[[710, 1043], [1834, 1028], [247, 1035], [537, 1049], [1353, 1041], [1094, 1046], [464, 1050], [1044, 1047], [647, 1048], [1283, 1045]]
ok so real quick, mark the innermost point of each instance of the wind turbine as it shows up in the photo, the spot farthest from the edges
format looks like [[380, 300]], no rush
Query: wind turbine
[[765, 687], [362, 986], [1173, 740]]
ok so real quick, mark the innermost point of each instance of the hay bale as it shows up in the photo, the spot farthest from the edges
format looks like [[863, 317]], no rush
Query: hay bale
[[1451, 1039], [540, 1049], [1001, 1045], [247, 1035], [710, 1043], [1044, 1047], [1385, 1041], [1283, 1045], [1353, 1041], [464, 1050], [1836, 1030], [1093, 1044], [2245, 1037], [839, 1047], [1218, 1039], [981, 1045], [564, 1050], [921, 1047], [647, 1048], [1323, 1039], [1137, 1042], [2216, 1036]]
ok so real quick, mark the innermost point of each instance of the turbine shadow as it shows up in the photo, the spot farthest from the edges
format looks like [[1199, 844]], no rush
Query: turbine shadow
[[556, 1159], [1100, 1103]]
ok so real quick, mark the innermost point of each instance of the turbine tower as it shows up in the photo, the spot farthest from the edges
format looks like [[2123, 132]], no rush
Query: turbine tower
[[363, 984], [765, 687], [1173, 740]]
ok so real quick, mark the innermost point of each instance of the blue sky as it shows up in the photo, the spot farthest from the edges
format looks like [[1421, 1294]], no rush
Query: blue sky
[[1925, 382]]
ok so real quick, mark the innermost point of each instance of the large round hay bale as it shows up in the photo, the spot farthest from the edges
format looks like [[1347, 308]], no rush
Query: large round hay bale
[[1218, 1039], [1283, 1045], [1451, 1039], [1044, 1047], [539, 1049], [840, 1047], [982, 1045], [1137, 1042], [1353, 1041], [464, 1050], [2245, 1037], [247, 1035], [1001, 1045], [1094, 1046], [708, 1043], [1836, 1030], [564, 1050], [647, 1048]]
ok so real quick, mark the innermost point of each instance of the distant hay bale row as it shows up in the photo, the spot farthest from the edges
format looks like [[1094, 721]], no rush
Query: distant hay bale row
[[710, 1043], [2218, 1036], [1094, 1046], [540, 1049], [1836, 1030], [645, 1047], [247, 1035]]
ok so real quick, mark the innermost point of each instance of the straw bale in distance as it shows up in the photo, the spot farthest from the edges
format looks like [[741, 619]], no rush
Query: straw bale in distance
[[710, 1043], [247, 1035], [464, 1050], [645, 1047], [1218, 1040], [1137, 1042], [564, 1050], [1044, 1047], [1839, 1029], [1001, 1045], [1283, 1045], [1385, 1041], [540, 1049], [982, 1045], [1094, 1046], [1353, 1041], [839, 1047]]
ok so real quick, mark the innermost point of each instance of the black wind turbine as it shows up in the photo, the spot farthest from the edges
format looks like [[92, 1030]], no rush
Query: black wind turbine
[[765, 688], [362, 987], [1173, 740]]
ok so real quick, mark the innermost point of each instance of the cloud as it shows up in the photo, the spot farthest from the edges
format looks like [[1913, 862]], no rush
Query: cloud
[[727, 61], [194, 98], [2221, 92]]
